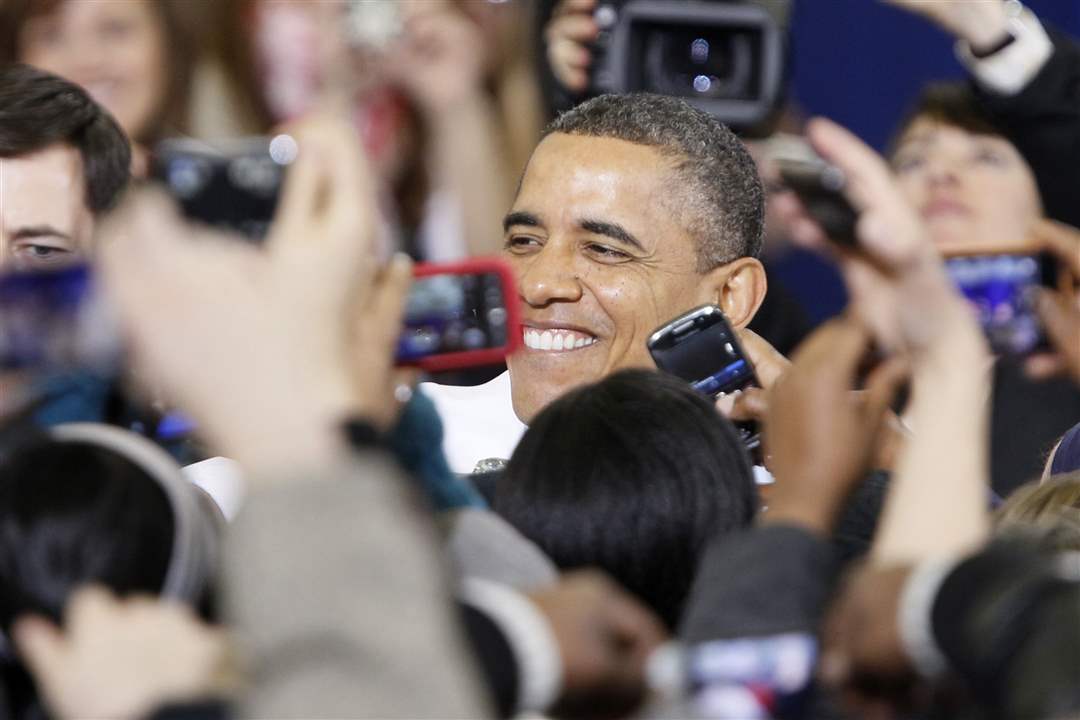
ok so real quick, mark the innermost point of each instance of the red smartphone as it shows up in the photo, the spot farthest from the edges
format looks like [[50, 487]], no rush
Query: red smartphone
[[460, 315]]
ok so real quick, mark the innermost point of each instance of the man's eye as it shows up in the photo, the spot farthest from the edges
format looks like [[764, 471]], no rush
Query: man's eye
[[607, 254], [42, 254], [908, 163], [520, 243], [990, 157]]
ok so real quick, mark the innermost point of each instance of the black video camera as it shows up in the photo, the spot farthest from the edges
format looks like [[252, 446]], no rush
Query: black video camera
[[726, 57]]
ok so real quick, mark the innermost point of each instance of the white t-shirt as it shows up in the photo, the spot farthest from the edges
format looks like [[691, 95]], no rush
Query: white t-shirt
[[478, 421]]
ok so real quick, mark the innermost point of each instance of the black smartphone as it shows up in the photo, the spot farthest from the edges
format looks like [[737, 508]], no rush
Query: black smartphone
[[228, 184], [702, 348], [820, 188], [1002, 289]]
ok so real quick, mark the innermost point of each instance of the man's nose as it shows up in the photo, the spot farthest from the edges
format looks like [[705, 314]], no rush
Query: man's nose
[[550, 276], [943, 171]]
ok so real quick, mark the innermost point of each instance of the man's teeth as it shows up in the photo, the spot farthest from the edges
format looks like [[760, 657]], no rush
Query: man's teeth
[[556, 339]]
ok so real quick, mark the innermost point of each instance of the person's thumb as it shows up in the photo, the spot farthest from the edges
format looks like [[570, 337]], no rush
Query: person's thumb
[[40, 645], [882, 385], [1061, 319]]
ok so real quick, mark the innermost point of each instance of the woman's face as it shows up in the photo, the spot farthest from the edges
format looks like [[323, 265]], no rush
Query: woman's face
[[113, 48], [972, 190]]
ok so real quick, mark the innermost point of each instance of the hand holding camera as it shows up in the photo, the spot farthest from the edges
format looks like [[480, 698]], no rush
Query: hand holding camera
[[254, 342]]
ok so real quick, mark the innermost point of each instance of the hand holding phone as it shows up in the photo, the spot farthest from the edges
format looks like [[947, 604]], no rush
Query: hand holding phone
[[702, 348], [820, 188]]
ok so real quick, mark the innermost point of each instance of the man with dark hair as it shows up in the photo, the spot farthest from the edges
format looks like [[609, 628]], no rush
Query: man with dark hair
[[632, 210], [63, 161]]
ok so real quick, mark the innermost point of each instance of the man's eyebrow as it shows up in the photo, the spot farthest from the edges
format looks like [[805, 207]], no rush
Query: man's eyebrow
[[521, 218], [38, 231], [612, 230]]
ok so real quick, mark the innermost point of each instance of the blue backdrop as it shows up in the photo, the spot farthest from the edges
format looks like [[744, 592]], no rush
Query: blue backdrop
[[861, 62]]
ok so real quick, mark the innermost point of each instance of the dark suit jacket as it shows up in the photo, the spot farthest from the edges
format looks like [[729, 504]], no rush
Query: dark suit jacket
[[1043, 121]]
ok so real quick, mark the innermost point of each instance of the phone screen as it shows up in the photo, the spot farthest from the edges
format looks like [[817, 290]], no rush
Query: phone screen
[[701, 348], [452, 314], [1002, 288], [707, 355]]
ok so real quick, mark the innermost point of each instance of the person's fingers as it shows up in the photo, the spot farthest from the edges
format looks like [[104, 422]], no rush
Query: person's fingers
[[1061, 320], [881, 388], [40, 645], [835, 349], [1062, 240], [386, 308], [750, 404], [868, 177], [573, 6], [567, 55], [635, 629], [769, 364], [299, 198], [1044, 366], [572, 26], [351, 199], [88, 605], [801, 228], [568, 60]]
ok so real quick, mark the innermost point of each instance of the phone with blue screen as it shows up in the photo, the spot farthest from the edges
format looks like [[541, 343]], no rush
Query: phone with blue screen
[[1002, 289], [702, 348]]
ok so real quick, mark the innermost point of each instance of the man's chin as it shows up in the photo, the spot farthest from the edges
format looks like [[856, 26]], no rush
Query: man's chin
[[534, 388]]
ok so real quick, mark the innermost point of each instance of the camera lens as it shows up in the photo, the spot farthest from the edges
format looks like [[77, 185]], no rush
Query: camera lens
[[695, 62]]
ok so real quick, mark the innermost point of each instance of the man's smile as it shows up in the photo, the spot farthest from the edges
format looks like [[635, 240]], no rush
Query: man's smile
[[556, 339]]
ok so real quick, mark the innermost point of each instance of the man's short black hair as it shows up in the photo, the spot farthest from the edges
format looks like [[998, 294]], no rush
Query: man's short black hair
[[39, 109], [723, 203]]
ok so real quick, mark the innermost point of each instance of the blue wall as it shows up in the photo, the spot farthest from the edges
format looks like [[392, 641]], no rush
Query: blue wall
[[861, 62]]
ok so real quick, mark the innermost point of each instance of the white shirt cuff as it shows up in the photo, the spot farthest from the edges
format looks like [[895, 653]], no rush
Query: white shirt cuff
[[914, 616], [530, 637], [1009, 70]]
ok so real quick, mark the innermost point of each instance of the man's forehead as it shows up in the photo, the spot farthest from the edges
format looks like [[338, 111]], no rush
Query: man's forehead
[[602, 168], [43, 187]]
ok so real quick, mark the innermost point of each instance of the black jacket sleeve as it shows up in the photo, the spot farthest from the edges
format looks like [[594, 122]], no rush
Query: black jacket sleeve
[[1043, 121]]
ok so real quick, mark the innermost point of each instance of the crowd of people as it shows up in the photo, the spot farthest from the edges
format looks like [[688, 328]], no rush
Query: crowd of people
[[576, 534]]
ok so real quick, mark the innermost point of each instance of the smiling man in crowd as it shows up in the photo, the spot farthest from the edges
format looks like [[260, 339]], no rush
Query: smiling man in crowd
[[63, 160], [632, 210]]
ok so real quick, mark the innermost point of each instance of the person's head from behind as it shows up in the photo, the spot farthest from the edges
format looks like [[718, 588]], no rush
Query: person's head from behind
[[967, 180], [94, 504], [132, 57], [63, 161], [632, 210], [1050, 508], [633, 475]]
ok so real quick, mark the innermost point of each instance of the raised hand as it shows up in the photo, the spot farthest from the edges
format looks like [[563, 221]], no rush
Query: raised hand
[[122, 659], [1060, 311], [821, 437]]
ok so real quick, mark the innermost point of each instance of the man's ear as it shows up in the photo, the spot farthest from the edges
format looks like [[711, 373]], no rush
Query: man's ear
[[738, 288]]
